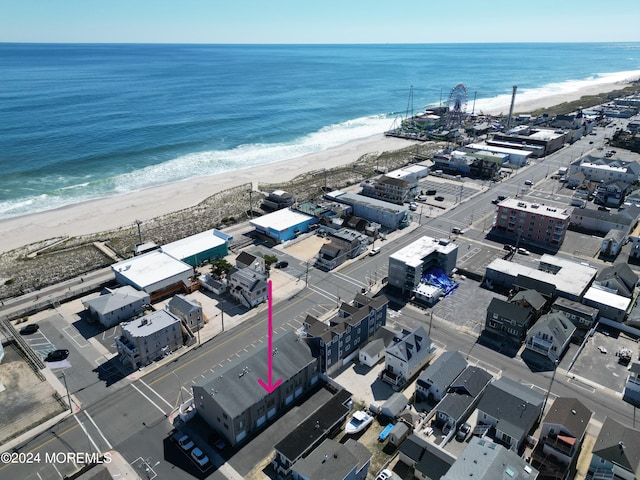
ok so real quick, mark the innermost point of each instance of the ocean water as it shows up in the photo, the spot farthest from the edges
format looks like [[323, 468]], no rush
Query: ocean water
[[79, 122]]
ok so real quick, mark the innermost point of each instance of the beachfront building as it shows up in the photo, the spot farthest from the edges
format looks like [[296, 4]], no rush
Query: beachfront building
[[602, 169], [514, 157], [283, 225], [525, 221], [407, 355], [389, 189], [554, 277], [278, 199], [234, 404], [189, 311], [338, 341], [409, 265], [156, 273], [199, 248], [149, 338], [539, 141], [390, 215], [116, 305]]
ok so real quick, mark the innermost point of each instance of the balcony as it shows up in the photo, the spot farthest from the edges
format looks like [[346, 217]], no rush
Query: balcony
[[129, 348]]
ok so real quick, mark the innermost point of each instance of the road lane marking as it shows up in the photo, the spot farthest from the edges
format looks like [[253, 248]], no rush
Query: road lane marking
[[150, 401], [157, 394], [98, 430], [87, 433]]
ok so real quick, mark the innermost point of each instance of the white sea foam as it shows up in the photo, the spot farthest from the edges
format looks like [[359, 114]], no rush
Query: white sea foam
[[245, 156], [502, 102]]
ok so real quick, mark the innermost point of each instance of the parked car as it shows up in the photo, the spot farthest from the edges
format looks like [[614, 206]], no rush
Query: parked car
[[602, 349], [431, 191], [384, 475], [282, 264], [374, 251], [29, 329], [463, 431], [528, 182], [57, 355], [199, 456], [523, 251], [502, 197], [511, 248], [439, 198], [185, 443], [413, 206]]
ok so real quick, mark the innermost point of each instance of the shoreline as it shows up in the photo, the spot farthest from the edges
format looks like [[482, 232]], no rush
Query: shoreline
[[112, 212]]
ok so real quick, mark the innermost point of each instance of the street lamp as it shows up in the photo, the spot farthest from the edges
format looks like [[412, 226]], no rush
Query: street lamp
[[64, 379], [179, 387]]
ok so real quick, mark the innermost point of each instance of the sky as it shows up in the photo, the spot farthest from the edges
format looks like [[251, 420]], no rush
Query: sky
[[325, 21]]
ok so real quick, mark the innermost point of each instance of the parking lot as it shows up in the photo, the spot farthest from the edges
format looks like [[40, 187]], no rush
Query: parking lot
[[602, 368]]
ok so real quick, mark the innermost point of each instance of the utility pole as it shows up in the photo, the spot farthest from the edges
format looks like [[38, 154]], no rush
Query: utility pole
[[64, 379], [250, 203], [546, 397], [222, 313], [139, 222], [179, 387]]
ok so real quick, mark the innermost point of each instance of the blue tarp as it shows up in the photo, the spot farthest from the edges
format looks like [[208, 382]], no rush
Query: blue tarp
[[438, 278]]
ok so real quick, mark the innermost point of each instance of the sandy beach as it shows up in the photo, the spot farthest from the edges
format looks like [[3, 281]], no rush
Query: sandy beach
[[117, 211]]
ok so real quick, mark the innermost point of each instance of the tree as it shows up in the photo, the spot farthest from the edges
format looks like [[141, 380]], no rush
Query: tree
[[220, 267], [269, 260]]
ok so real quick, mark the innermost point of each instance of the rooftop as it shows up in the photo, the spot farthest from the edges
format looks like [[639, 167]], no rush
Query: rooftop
[[200, 242], [150, 324], [414, 253], [542, 210], [280, 220], [149, 268], [602, 297], [333, 460], [115, 299]]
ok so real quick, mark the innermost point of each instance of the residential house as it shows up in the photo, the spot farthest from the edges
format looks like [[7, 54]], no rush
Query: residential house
[[631, 392], [582, 316], [232, 402], [326, 421], [611, 194], [510, 410], [551, 335], [248, 287], [148, 338], [425, 460], [613, 242], [113, 306], [484, 460], [247, 260], [530, 299], [599, 221], [372, 352], [344, 245], [611, 307], [434, 381], [509, 321], [618, 279], [389, 189], [189, 311], [278, 199], [563, 430], [348, 461], [616, 452], [339, 340], [597, 169], [461, 398], [406, 357]]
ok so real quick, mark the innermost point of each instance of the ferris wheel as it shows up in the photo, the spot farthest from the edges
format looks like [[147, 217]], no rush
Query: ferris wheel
[[457, 105]]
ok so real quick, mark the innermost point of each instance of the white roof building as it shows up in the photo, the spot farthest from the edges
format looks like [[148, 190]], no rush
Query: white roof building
[[152, 272], [197, 248], [610, 305]]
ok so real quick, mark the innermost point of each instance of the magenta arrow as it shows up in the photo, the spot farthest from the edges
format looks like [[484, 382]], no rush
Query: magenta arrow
[[270, 387]]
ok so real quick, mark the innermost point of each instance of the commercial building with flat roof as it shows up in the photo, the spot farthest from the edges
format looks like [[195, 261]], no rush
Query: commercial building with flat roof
[[155, 273], [283, 225], [610, 305], [199, 248], [387, 214], [567, 278], [408, 265]]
